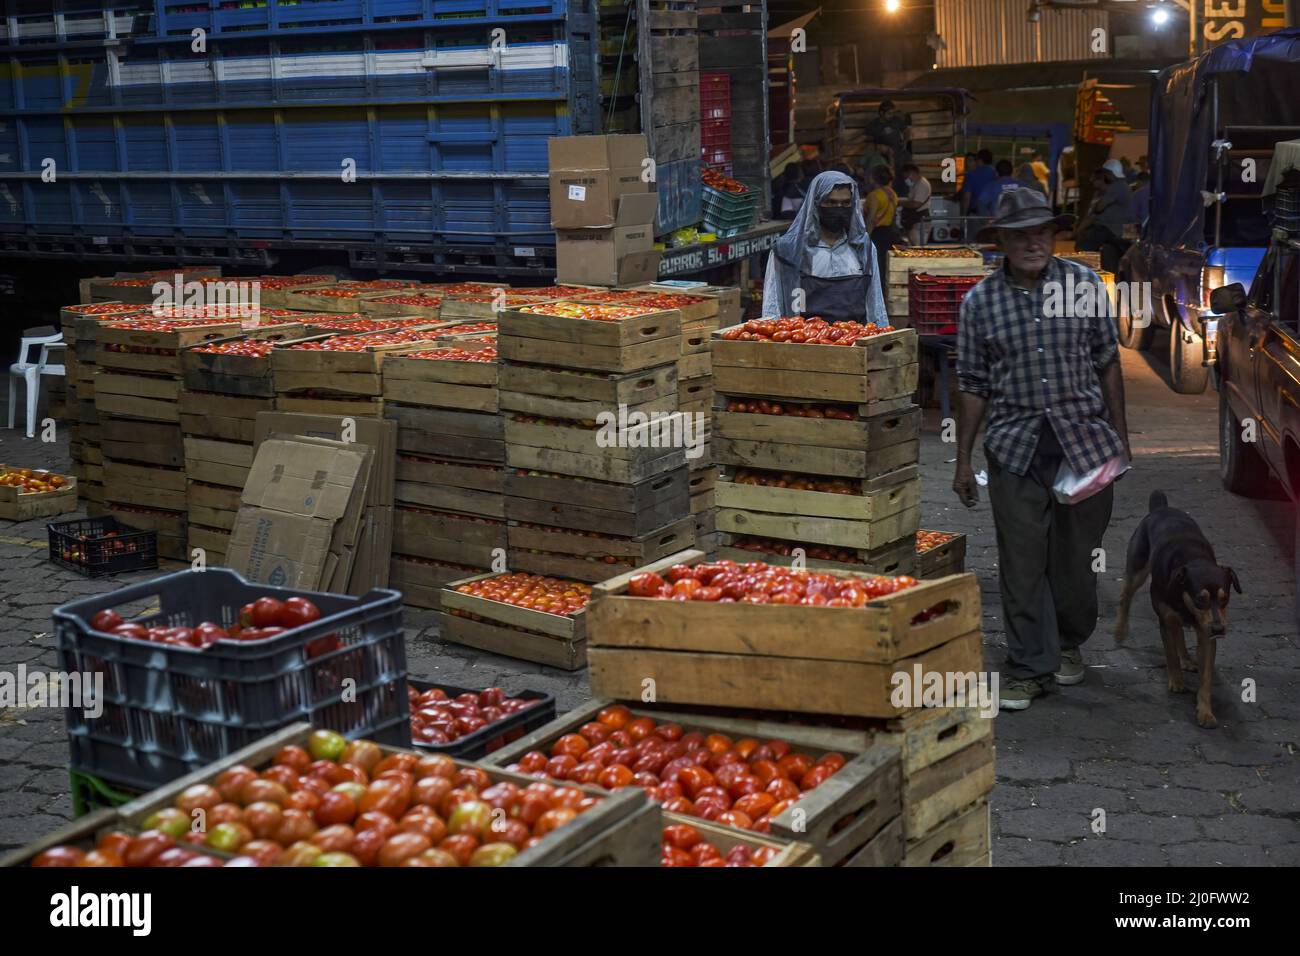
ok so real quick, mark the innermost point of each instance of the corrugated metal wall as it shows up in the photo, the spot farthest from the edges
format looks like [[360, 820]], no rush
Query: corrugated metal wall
[[996, 32]]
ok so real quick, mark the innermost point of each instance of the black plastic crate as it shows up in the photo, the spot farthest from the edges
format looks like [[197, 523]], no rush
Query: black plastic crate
[[98, 554], [496, 735], [168, 710]]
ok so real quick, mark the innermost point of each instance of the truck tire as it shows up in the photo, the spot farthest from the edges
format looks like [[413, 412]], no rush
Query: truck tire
[[1187, 372], [1131, 335], [1242, 468]]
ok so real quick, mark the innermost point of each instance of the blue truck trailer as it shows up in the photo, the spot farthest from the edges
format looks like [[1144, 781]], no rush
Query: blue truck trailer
[[295, 135]]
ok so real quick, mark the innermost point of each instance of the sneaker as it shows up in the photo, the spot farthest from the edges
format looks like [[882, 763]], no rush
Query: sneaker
[[1071, 669], [1016, 693]]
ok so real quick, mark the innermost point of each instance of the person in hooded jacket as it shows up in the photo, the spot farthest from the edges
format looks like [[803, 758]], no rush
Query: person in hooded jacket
[[825, 263]]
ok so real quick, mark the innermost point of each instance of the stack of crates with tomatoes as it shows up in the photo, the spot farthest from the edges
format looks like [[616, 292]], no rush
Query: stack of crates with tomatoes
[[341, 296], [226, 382], [934, 301], [79, 324], [138, 400], [597, 453], [818, 438], [449, 522]]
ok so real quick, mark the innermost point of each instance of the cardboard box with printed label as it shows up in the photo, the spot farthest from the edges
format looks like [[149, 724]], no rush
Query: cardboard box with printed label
[[589, 175], [378, 433], [619, 255]]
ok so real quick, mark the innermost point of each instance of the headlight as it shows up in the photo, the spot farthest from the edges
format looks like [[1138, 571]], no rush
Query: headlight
[[1211, 278]]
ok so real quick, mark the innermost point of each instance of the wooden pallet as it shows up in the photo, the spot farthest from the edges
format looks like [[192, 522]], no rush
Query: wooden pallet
[[705, 653], [836, 819], [603, 507], [623, 830]]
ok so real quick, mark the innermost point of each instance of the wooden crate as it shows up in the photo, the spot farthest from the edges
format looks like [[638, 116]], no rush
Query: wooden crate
[[895, 494], [962, 840], [437, 497], [82, 832], [111, 341], [625, 345], [312, 299], [946, 558], [426, 470], [579, 395], [24, 507], [421, 582], [553, 639], [227, 374], [815, 460], [221, 417], [215, 542], [582, 557], [789, 853], [472, 436], [874, 533], [836, 819], [336, 404], [489, 303], [636, 454], [384, 306], [145, 486], [469, 386], [623, 830], [695, 365], [218, 462], [170, 524], [935, 793], [890, 350], [741, 655], [443, 536], [147, 443], [696, 395], [603, 507], [872, 430]]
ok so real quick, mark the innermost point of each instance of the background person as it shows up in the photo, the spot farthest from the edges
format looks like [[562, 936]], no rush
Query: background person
[[1102, 229], [880, 209], [1054, 394], [914, 215], [827, 254], [988, 201]]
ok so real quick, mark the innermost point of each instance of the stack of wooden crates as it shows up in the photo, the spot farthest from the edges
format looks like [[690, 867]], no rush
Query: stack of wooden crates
[[781, 464], [943, 261]]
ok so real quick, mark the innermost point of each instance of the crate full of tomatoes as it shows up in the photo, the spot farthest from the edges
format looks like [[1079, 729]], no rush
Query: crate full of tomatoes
[[99, 546], [471, 724], [528, 616], [304, 797], [201, 662], [763, 636], [27, 493], [940, 553]]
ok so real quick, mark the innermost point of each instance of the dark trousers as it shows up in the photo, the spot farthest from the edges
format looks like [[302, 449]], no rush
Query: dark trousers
[[1045, 562]]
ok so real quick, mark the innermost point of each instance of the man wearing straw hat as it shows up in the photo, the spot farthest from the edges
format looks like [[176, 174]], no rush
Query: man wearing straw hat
[[1041, 359]]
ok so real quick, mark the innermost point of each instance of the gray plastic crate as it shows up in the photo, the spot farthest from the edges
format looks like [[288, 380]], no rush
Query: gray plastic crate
[[168, 710]]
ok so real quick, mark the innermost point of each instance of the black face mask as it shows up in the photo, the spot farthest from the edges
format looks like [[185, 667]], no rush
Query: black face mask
[[835, 220]]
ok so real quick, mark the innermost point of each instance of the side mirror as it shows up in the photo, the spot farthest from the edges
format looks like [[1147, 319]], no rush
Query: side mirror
[[1228, 298]]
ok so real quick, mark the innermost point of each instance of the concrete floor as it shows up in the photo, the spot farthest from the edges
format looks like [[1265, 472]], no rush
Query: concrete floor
[[1172, 793]]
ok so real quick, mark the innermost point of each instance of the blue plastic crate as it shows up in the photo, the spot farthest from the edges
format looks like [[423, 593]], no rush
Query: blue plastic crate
[[168, 709]]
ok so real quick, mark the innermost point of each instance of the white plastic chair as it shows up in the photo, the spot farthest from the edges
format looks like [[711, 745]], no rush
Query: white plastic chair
[[31, 372]]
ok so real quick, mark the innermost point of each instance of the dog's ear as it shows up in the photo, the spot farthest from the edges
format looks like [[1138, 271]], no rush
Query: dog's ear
[[1232, 577]]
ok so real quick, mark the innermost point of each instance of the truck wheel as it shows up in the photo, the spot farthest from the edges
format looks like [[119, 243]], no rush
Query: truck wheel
[[1131, 334], [1241, 467], [1187, 372]]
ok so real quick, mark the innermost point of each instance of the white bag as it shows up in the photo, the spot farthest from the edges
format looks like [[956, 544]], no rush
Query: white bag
[[1071, 487]]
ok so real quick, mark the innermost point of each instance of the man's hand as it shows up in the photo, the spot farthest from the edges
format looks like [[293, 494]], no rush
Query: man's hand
[[963, 483]]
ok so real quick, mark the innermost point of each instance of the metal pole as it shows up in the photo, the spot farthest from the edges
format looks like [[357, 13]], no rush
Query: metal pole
[[1191, 28]]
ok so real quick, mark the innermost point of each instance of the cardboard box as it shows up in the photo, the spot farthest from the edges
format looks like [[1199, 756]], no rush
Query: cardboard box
[[620, 255], [300, 511], [596, 152], [378, 433], [590, 197], [588, 175]]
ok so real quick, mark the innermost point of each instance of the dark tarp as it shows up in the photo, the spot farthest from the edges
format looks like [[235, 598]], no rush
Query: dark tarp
[[1259, 85]]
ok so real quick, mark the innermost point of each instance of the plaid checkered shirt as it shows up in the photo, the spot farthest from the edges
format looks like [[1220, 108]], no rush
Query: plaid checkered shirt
[[1034, 366]]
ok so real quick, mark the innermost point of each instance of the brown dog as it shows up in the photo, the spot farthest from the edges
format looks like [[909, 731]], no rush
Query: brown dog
[[1188, 589]]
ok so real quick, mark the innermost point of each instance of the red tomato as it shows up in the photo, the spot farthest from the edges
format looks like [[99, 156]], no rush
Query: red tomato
[[782, 789], [298, 611], [594, 732], [640, 728], [646, 584], [615, 717], [735, 818], [573, 745], [267, 611], [105, 620]]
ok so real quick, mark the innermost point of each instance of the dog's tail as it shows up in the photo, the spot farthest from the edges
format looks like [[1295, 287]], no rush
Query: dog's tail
[[1157, 500]]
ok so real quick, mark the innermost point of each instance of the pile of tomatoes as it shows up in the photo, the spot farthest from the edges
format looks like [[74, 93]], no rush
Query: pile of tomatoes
[[711, 177], [742, 783], [554, 291], [29, 482], [254, 348], [103, 308], [283, 282], [915, 253], [818, 552], [359, 343], [105, 543], [341, 803], [532, 591], [927, 540], [356, 322], [468, 327], [772, 479], [259, 620], [118, 848], [505, 300], [596, 313], [758, 583], [439, 719], [684, 846], [463, 288], [808, 331], [341, 292], [424, 300], [456, 355], [163, 324], [761, 406]]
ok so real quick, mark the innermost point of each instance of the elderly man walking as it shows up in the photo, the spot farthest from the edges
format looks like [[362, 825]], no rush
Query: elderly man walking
[[825, 263], [1044, 365]]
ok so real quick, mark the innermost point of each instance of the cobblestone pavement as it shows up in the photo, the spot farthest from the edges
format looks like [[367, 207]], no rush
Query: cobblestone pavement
[[1172, 793]]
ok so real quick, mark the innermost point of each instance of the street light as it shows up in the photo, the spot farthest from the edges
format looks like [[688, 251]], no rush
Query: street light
[[891, 6], [1160, 16]]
